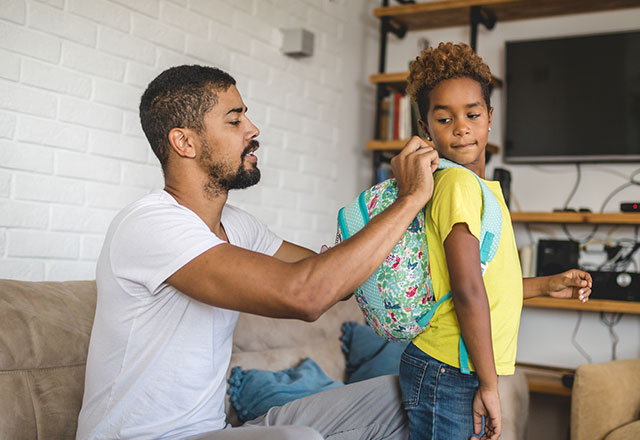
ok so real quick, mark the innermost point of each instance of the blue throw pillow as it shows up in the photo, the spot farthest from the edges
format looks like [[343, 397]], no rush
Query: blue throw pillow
[[253, 392], [368, 354]]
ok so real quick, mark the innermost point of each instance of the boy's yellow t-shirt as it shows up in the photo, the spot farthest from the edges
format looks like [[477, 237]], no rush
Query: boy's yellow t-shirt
[[457, 198]]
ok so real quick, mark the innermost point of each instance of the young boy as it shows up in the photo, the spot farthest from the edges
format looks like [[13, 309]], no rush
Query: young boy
[[452, 87]]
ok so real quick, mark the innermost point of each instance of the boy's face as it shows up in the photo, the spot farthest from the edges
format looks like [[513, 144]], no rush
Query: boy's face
[[458, 121]]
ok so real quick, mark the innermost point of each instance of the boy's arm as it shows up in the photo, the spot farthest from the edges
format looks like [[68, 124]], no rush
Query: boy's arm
[[472, 308], [573, 283]]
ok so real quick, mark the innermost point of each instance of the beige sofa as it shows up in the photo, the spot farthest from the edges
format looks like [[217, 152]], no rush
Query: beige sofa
[[44, 334], [605, 401]]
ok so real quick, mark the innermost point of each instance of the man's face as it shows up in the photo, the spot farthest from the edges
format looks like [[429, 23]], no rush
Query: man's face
[[227, 145]]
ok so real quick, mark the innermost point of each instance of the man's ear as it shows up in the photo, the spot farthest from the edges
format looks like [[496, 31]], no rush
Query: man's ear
[[182, 142]]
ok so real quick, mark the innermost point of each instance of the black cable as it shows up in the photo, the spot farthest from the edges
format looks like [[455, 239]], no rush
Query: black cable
[[584, 240], [611, 323], [616, 191], [566, 205], [574, 341], [575, 186], [631, 182]]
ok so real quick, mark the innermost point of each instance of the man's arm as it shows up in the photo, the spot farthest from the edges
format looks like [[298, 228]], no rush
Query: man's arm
[[472, 308], [230, 277], [290, 252], [573, 283]]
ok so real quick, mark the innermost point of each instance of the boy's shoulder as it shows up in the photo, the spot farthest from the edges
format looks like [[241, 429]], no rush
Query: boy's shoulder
[[450, 177]]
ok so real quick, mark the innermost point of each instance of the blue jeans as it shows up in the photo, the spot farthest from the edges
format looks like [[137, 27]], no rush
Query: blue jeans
[[437, 397]]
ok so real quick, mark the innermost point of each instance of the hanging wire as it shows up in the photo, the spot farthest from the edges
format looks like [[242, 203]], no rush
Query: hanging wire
[[611, 323], [583, 240], [566, 205], [574, 340], [632, 181], [575, 186]]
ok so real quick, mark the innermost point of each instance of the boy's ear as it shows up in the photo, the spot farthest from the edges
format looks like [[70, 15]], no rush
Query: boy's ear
[[182, 142], [424, 128], [490, 116]]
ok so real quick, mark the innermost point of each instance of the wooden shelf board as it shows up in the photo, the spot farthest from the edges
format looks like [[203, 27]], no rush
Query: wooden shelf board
[[398, 80], [397, 145], [446, 13], [607, 218], [593, 305], [545, 380]]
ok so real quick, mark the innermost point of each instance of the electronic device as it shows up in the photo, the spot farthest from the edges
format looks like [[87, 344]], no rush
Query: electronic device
[[619, 286], [504, 177], [555, 256], [630, 207], [558, 93]]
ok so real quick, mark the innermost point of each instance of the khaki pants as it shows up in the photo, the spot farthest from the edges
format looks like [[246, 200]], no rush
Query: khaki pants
[[366, 410]]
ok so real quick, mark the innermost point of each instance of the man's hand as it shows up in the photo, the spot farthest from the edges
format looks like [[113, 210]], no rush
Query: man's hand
[[486, 403], [413, 169], [573, 283]]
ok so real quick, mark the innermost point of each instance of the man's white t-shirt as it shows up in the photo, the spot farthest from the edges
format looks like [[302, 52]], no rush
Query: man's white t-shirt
[[158, 358]]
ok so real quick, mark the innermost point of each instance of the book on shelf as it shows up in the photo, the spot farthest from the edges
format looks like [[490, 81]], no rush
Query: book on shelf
[[398, 117]]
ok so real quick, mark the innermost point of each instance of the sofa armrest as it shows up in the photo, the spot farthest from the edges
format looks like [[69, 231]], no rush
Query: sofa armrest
[[604, 397]]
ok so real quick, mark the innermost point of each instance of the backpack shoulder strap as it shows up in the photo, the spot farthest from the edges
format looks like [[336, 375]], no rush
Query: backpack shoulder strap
[[491, 226]]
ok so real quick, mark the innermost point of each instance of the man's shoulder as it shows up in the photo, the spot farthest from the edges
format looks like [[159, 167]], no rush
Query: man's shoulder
[[151, 213]]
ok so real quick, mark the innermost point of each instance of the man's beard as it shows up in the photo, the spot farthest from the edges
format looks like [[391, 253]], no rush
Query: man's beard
[[221, 180]]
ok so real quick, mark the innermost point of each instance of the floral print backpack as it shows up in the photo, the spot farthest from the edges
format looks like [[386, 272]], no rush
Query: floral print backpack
[[397, 300]]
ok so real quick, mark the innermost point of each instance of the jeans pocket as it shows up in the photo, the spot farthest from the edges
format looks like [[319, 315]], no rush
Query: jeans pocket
[[412, 371]]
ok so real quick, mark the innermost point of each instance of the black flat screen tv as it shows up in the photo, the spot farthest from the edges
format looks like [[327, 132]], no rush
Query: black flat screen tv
[[573, 99]]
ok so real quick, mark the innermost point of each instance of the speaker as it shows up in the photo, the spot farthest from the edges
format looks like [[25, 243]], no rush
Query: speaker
[[555, 256], [504, 177], [619, 286]]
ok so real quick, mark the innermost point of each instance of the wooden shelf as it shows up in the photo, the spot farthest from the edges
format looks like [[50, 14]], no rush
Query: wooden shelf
[[445, 13], [593, 305], [397, 145], [545, 380], [398, 80], [607, 218]]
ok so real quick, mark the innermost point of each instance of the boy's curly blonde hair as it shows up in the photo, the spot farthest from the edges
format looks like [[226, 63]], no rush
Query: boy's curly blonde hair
[[447, 61]]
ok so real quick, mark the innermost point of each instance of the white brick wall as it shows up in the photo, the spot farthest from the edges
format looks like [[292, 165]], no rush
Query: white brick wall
[[72, 152]]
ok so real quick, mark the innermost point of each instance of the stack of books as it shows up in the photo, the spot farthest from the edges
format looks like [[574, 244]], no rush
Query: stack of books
[[398, 117]]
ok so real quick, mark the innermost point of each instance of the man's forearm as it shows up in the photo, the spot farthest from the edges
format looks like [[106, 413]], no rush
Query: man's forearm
[[340, 270]]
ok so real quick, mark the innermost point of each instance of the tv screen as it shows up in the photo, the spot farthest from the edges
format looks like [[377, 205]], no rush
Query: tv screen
[[573, 99]]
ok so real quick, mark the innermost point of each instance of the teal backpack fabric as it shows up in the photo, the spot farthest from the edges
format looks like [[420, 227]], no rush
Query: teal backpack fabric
[[397, 300]]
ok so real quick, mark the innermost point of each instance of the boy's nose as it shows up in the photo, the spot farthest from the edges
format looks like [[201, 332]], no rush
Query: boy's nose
[[461, 128]]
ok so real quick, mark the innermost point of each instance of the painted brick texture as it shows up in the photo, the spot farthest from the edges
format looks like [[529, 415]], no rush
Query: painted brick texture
[[72, 152]]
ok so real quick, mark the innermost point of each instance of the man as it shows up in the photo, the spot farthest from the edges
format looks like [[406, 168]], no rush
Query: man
[[179, 264]]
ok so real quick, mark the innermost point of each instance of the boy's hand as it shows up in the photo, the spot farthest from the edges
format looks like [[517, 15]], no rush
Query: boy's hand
[[486, 403], [573, 283], [413, 169]]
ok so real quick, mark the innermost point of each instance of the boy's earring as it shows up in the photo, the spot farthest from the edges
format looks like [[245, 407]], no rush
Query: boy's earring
[[489, 128], [429, 138]]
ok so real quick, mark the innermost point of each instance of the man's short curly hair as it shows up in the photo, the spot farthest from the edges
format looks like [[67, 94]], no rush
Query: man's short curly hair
[[179, 97], [447, 61]]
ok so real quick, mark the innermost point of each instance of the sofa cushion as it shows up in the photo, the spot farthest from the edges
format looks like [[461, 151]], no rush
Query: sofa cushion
[[258, 333], [44, 337], [630, 431]]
